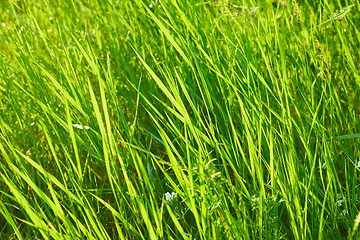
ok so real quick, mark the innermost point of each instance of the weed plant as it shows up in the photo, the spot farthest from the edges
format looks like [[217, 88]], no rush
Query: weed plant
[[171, 119]]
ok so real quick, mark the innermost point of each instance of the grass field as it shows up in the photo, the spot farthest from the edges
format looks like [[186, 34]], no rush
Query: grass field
[[179, 119]]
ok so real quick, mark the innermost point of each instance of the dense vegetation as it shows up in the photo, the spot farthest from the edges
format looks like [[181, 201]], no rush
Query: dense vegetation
[[179, 119]]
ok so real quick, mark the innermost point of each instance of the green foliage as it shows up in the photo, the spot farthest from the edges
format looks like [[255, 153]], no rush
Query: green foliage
[[170, 119]]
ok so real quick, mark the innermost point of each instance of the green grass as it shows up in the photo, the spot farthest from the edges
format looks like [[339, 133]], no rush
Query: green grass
[[247, 111]]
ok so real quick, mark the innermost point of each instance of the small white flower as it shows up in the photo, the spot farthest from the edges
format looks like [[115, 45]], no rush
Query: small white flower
[[78, 126], [170, 196], [32, 123], [324, 166], [358, 164], [343, 213], [340, 202]]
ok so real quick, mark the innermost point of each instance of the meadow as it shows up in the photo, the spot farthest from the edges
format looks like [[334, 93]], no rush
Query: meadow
[[166, 119]]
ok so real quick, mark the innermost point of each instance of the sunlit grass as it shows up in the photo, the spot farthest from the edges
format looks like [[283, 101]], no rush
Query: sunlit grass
[[179, 120]]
